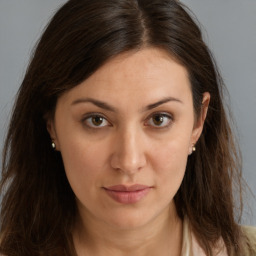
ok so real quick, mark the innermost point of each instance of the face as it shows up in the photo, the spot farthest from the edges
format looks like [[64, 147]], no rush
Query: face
[[125, 134]]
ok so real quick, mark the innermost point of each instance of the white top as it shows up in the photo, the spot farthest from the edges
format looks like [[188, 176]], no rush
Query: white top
[[190, 246]]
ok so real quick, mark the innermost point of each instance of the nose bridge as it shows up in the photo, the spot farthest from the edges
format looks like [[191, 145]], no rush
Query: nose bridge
[[129, 155]]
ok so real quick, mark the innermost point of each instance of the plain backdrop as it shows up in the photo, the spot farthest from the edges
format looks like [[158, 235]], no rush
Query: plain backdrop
[[229, 28]]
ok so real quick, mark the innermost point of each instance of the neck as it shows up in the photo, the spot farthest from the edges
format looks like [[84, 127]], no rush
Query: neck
[[162, 236]]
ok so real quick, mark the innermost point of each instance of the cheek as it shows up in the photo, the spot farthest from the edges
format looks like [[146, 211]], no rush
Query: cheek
[[83, 164], [170, 163]]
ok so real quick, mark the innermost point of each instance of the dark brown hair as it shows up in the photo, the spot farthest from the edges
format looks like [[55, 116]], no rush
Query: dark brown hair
[[38, 206]]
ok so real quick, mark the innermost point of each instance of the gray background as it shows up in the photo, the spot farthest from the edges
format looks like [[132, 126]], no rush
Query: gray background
[[229, 28]]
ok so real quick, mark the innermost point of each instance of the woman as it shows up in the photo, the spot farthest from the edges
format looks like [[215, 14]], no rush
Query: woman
[[119, 142]]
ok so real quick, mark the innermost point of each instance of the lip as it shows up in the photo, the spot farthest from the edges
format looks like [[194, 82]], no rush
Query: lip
[[127, 194]]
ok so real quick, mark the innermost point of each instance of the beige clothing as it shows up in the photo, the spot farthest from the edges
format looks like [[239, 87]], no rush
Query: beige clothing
[[250, 233], [190, 246]]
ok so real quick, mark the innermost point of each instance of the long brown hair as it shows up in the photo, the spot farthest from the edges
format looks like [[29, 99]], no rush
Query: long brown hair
[[38, 206]]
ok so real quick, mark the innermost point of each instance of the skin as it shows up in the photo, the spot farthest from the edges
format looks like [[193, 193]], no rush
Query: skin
[[131, 144]]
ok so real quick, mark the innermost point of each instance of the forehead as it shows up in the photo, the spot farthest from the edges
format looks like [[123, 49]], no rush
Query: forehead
[[144, 75]]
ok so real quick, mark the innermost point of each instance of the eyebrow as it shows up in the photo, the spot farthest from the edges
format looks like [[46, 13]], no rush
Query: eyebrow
[[160, 102], [97, 103], [108, 107]]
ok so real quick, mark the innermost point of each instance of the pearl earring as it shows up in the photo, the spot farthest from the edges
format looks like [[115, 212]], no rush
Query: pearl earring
[[192, 149], [53, 145]]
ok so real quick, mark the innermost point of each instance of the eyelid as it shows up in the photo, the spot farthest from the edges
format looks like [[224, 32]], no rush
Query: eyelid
[[93, 114], [165, 114]]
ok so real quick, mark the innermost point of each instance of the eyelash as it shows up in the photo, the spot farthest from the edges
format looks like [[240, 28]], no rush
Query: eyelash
[[162, 115], [93, 115], [99, 115]]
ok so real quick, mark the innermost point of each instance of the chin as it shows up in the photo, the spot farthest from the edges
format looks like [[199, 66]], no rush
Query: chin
[[130, 219], [128, 224]]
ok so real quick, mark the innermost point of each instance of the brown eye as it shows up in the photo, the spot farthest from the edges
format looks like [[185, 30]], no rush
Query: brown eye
[[96, 121], [160, 120]]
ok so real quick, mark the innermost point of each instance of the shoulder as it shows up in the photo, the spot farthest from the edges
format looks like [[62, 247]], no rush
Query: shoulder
[[250, 239], [250, 233]]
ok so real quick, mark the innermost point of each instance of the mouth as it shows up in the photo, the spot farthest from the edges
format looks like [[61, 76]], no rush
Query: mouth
[[127, 194]]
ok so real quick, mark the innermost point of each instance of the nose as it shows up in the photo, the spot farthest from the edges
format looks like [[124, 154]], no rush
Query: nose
[[129, 154]]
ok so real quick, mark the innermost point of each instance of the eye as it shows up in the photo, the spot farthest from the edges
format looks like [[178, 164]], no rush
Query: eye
[[160, 120], [96, 121]]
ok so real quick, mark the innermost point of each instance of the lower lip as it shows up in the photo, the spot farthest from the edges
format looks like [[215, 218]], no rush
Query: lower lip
[[128, 197]]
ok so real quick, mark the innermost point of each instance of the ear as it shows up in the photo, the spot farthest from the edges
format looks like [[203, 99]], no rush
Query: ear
[[199, 122], [52, 132]]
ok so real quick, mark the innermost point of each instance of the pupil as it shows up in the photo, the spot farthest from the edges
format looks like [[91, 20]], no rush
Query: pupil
[[158, 120], [97, 120]]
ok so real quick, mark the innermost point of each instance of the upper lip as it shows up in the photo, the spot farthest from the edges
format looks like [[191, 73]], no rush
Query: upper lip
[[125, 188]]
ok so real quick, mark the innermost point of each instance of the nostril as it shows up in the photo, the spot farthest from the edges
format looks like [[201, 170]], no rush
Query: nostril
[[128, 164]]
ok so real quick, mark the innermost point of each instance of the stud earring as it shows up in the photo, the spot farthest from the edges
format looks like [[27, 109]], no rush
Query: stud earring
[[192, 149], [53, 145]]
